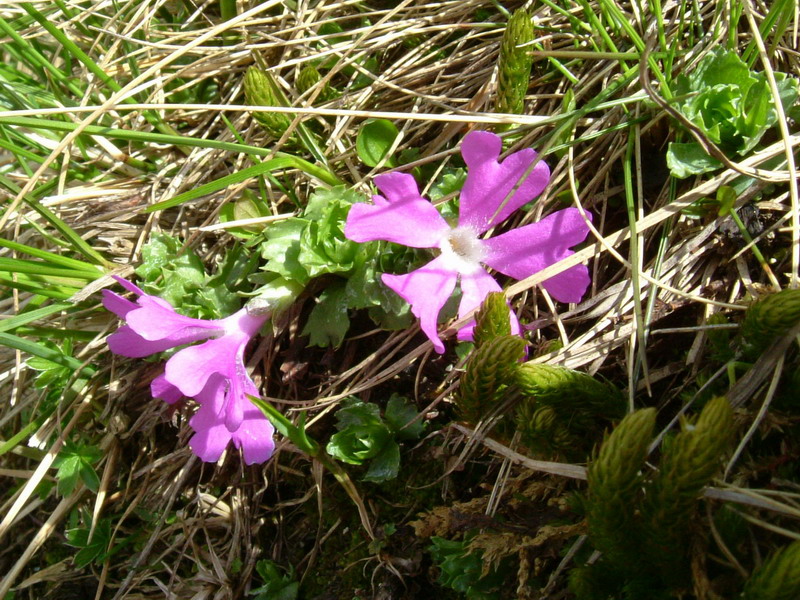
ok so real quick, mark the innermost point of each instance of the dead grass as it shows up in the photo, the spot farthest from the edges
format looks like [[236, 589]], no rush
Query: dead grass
[[193, 530]]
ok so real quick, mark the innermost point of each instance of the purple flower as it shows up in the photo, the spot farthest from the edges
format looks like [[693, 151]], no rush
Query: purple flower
[[212, 436], [212, 372], [492, 192]]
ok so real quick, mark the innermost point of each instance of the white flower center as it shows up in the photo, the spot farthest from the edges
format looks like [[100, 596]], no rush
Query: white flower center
[[462, 250]]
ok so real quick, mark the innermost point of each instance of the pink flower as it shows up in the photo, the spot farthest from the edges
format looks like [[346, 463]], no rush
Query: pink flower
[[212, 372], [492, 192], [212, 436]]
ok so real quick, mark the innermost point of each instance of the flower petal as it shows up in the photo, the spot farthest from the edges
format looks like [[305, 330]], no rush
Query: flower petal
[[117, 304], [157, 320], [235, 399], [161, 388], [489, 182], [569, 285], [190, 369], [254, 436], [402, 216], [211, 436], [426, 290], [126, 342], [129, 286], [474, 288], [521, 252]]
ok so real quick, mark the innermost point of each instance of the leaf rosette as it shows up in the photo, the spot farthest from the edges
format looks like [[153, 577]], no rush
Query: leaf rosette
[[363, 434]]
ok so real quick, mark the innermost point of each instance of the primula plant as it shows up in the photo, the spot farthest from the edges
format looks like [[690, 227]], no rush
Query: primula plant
[[492, 192], [213, 373], [365, 436], [730, 104]]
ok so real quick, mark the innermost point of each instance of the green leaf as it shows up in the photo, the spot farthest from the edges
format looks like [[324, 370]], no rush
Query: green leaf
[[73, 462], [323, 245], [281, 250], [356, 444], [51, 373], [730, 104], [362, 434], [177, 275], [465, 572], [720, 66], [277, 585], [399, 413], [328, 322], [244, 207], [753, 121], [687, 159], [726, 199], [385, 465], [374, 140], [94, 550], [296, 433], [450, 182]]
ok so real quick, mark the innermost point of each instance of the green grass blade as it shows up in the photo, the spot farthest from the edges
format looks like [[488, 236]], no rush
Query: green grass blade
[[50, 257], [35, 59], [86, 60], [33, 315], [137, 136], [34, 267], [281, 162], [17, 343], [76, 241], [47, 287]]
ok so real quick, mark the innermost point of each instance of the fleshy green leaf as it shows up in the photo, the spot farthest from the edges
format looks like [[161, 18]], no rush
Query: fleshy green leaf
[[357, 443], [730, 104], [328, 322], [687, 159], [385, 465], [374, 140], [281, 250], [277, 584]]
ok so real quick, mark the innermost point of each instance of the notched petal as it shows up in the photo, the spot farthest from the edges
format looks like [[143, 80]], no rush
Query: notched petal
[[403, 216], [493, 190]]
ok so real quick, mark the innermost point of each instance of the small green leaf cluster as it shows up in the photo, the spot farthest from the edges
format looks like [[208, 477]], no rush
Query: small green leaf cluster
[[642, 523], [561, 406], [514, 65], [556, 408], [767, 319], [52, 375], [278, 584], [259, 91], [177, 275], [314, 244], [778, 578], [74, 462], [463, 571], [94, 548], [730, 104], [364, 436]]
